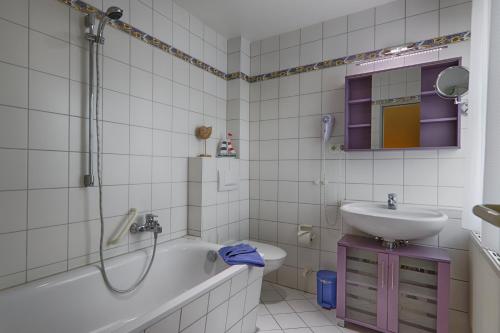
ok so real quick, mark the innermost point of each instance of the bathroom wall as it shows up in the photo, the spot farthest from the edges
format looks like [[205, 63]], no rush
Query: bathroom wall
[[151, 103], [285, 148]]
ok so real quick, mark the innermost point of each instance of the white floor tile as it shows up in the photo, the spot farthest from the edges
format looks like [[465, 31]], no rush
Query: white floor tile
[[289, 320], [279, 307], [315, 318], [302, 305], [267, 322]]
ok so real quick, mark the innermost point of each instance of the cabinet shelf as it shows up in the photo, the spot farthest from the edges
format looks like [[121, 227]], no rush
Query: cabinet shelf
[[438, 120], [360, 125], [428, 93], [360, 100]]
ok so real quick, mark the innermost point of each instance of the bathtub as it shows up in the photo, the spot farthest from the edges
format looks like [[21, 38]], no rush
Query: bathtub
[[184, 292]]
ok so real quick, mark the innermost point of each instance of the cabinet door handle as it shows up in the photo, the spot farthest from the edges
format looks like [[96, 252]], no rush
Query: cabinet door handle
[[383, 277], [392, 276]]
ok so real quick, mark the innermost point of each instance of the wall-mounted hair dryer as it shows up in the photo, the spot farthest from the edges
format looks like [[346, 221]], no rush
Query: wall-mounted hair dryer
[[327, 123]]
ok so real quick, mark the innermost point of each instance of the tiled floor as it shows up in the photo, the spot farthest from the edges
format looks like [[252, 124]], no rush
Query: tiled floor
[[286, 310]]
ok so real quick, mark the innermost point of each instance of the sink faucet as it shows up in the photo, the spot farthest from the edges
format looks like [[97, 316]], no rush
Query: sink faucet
[[151, 224], [392, 201]]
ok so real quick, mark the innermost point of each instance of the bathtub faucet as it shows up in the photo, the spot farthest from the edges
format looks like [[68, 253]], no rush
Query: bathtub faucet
[[151, 224]]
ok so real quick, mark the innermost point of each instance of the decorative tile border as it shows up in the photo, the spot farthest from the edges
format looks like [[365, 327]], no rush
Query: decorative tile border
[[366, 56], [146, 38]]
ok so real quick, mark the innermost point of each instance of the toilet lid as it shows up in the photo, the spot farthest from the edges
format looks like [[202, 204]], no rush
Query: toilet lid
[[269, 252]]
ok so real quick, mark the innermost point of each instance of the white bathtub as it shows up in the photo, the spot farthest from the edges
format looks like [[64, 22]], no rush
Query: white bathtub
[[183, 292]]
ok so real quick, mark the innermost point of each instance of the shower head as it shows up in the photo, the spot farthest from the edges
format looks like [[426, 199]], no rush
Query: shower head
[[114, 13]]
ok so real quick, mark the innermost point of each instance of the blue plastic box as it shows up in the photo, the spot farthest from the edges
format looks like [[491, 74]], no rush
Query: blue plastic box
[[327, 289]]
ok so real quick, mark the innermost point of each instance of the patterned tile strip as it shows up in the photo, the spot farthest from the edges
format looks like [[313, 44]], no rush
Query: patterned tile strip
[[366, 56], [148, 39]]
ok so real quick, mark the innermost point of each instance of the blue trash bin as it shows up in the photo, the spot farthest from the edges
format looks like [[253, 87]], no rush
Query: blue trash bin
[[327, 289]]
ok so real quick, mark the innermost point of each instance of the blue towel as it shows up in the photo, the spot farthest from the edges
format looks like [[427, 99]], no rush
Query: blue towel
[[241, 254]]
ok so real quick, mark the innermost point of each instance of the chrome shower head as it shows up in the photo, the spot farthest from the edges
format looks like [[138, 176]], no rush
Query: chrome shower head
[[114, 13]]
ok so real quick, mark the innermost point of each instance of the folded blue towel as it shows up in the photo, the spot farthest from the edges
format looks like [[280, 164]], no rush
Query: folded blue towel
[[241, 254]]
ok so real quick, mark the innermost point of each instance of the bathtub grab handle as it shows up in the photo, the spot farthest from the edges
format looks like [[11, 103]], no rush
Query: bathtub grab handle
[[131, 217]]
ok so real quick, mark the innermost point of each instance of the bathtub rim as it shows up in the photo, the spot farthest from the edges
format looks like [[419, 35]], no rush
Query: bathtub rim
[[142, 321]]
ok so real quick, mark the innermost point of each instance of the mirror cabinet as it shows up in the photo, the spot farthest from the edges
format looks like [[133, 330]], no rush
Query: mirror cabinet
[[399, 108]]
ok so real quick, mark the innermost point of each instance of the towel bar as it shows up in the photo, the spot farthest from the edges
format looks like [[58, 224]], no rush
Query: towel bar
[[489, 213]]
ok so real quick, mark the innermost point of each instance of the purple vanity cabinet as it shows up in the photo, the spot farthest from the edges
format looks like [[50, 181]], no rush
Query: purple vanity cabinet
[[392, 291]]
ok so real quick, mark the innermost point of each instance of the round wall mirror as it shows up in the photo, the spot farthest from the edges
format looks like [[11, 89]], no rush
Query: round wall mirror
[[453, 82]]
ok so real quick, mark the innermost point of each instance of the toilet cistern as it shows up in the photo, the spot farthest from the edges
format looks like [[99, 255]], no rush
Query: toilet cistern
[[392, 202]]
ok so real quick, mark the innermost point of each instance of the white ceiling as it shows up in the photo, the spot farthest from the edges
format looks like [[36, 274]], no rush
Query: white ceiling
[[258, 19]]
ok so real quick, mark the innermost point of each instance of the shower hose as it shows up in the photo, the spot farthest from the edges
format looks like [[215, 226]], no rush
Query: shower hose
[[99, 180]]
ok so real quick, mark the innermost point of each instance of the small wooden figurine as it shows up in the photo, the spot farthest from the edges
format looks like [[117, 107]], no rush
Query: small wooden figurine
[[203, 133]]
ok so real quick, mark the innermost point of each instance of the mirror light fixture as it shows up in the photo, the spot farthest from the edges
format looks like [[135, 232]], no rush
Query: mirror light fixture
[[392, 53]]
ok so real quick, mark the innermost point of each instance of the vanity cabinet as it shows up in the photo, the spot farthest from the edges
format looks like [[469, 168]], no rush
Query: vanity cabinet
[[402, 290]]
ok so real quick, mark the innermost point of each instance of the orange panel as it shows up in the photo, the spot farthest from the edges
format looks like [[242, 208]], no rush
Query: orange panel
[[402, 126]]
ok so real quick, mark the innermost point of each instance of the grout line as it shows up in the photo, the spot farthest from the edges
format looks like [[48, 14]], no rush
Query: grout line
[[27, 145]]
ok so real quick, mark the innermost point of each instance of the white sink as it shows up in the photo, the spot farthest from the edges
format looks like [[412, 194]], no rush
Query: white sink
[[404, 223]]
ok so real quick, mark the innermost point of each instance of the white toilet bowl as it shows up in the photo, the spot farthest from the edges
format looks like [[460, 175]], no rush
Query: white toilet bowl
[[273, 255]]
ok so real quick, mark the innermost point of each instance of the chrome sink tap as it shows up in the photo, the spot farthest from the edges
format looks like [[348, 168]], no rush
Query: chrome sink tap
[[392, 202], [151, 224]]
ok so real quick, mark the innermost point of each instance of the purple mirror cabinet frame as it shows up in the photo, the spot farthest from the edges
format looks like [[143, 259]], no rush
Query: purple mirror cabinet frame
[[388, 281], [440, 118]]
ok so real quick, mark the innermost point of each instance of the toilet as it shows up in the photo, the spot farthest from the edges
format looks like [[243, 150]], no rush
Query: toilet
[[273, 255]]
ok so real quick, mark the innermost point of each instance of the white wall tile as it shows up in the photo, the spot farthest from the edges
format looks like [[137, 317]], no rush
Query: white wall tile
[[389, 34], [48, 93], [164, 7], [310, 82], [289, 39], [236, 308], [389, 12], [50, 17], [454, 19], [13, 205], [141, 16], [361, 41], [13, 127], [14, 92], [49, 54], [116, 76], [335, 26], [16, 11], [39, 254], [388, 172], [269, 45], [422, 195], [48, 169], [361, 19], [193, 311], [47, 207], [422, 26], [15, 40], [421, 172], [289, 57], [48, 131], [311, 52], [169, 324], [335, 47], [216, 320], [15, 245]]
